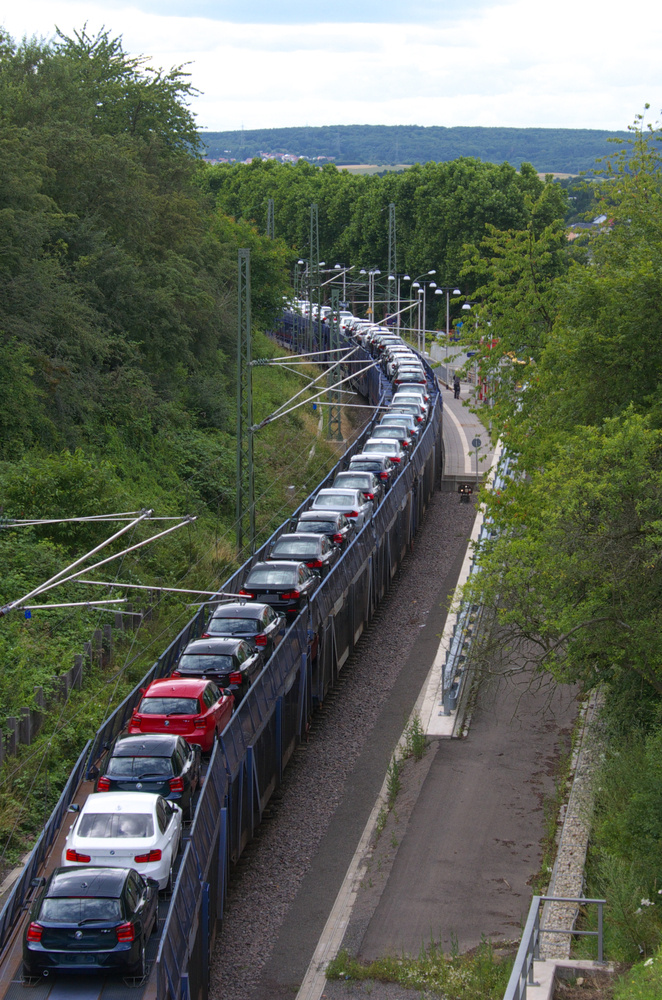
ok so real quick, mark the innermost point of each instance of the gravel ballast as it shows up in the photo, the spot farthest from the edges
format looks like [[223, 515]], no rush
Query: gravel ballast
[[267, 881]]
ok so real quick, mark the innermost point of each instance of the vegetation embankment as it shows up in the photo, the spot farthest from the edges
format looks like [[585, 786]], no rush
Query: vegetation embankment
[[117, 378], [569, 348]]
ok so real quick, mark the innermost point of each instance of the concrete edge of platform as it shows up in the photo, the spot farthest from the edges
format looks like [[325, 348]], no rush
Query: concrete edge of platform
[[434, 722], [546, 973]]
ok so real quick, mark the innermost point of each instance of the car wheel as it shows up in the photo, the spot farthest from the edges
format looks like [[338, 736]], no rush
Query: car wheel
[[140, 969]]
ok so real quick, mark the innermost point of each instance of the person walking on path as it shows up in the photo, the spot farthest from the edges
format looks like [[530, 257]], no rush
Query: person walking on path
[[456, 386]]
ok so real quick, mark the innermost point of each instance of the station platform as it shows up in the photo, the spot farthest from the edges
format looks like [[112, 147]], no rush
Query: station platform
[[463, 461]]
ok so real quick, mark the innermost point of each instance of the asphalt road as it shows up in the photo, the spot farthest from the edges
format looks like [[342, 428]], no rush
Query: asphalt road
[[464, 864]]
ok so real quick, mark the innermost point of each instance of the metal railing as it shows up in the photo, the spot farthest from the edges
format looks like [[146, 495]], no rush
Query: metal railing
[[529, 949]]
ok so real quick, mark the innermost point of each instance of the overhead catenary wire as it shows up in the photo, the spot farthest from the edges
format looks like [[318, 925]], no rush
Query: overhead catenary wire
[[282, 413], [118, 555], [52, 582], [312, 382], [110, 518]]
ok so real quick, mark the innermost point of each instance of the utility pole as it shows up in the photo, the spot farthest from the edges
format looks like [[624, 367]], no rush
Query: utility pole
[[271, 222], [245, 469], [334, 425], [313, 270], [392, 252]]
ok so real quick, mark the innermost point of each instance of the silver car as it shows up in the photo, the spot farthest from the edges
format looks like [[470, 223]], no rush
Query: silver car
[[391, 448], [351, 503]]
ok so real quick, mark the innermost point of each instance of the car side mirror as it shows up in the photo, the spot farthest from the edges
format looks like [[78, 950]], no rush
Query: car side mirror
[[227, 692], [74, 808], [93, 772], [153, 882], [38, 883]]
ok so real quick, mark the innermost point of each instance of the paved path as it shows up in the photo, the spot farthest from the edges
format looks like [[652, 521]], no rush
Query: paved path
[[460, 428]]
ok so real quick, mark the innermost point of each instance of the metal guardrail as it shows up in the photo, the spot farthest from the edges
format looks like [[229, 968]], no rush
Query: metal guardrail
[[529, 949], [469, 616]]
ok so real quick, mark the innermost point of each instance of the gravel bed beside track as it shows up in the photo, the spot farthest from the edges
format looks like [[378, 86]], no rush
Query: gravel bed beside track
[[272, 868]]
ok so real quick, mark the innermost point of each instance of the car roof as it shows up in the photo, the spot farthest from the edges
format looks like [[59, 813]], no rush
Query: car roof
[[368, 457], [319, 515], [112, 802], [209, 647], [84, 881], [243, 609], [333, 489], [347, 472], [156, 745], [303, 536], [281, 562], [180, 687]]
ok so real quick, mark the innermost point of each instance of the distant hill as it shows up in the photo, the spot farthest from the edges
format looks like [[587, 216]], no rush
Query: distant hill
[[550, 150]]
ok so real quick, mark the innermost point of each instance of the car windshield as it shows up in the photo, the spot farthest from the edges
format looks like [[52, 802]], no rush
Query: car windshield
[[169, 706], [381, 447], [375, 466], [340, 500], [358, 482], [271, 576], [76, 909], [139, 767], [395, 420], [316, 527], [117, 824], [234, 626], [388, 432], [192, 664], [294, 546]]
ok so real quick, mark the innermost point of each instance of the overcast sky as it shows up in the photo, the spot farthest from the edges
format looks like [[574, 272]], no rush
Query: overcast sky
[[259, 64]]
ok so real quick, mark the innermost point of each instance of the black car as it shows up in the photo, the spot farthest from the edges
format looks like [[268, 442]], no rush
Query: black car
[[408, 404], [366, 481], [286, 586], [230, 662], [317, 551], [91, 920], [163, 764], [409, 378], [257, 624], [331, 523], [396, 432], [395, 419], [381, 466]]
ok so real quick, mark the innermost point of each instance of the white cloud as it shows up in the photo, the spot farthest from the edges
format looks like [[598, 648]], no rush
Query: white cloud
[[515, 64]]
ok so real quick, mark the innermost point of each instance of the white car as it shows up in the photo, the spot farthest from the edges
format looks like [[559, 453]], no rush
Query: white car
[[127, 830], [351, 503]]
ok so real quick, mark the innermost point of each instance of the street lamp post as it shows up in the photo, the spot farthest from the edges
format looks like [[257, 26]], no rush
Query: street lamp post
[[416, 284], [396, 278], [456, 291], [344, 269], [372, 274]]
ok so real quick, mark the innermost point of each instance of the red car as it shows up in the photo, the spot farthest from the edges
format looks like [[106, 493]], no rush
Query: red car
[[194, 708]]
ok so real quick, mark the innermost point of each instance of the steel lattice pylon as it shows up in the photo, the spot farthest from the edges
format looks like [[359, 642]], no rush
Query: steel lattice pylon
[[245, 471], [313, 271], [334, 421]]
